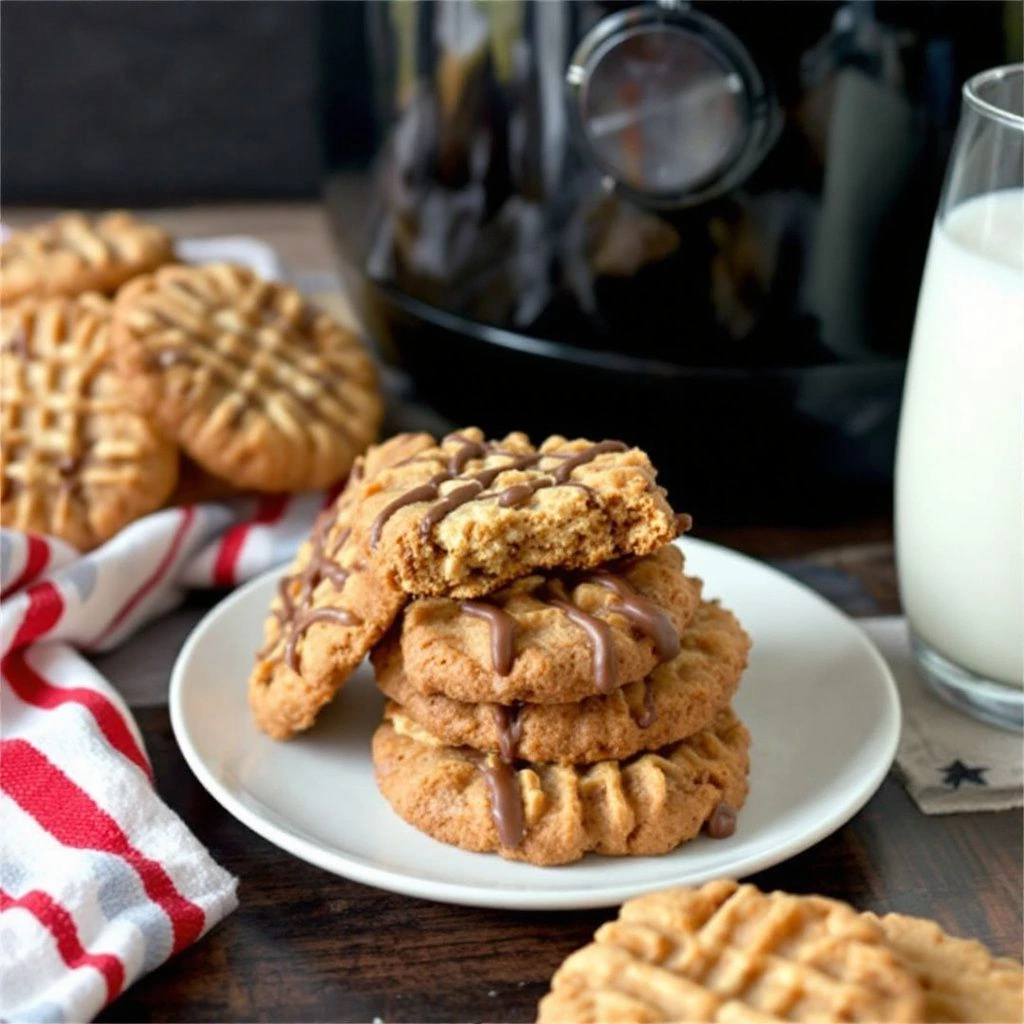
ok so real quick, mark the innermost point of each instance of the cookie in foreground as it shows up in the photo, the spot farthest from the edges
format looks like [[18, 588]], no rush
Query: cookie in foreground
[[552, 814], [469, 515], [76, 253], [726, 952], [257, 386], [677, 699], [962, 980], [76, 460]]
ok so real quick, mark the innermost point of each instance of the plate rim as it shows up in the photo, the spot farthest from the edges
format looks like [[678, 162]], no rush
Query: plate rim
[[357, 869]]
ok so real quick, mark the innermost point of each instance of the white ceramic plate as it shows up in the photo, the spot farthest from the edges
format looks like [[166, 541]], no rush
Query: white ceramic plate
[[817, 698]]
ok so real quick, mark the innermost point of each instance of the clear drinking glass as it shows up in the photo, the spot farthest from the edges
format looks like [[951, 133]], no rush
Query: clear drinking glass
[[960, 458]]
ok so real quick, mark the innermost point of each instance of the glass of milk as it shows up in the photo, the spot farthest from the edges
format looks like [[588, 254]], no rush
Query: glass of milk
[[960, 457]]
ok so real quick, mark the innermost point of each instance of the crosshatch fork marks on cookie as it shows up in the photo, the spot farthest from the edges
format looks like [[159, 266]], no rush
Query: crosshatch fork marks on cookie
[[66, 431], [730, 952], [74, 253], [643, 804], [249, 335], [94, 242]]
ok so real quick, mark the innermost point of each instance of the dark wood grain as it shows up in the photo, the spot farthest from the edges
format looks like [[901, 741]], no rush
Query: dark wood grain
[[306, 945], [804, 541]]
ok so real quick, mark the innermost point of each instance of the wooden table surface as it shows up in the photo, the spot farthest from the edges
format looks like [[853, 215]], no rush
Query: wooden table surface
[[305, 945]]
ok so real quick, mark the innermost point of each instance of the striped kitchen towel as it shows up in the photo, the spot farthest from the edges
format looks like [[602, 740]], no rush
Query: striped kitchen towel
[[100, 881]]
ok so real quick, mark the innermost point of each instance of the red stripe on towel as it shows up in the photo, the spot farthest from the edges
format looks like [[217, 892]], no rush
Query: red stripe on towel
[[271, 508], [34, 689], [73, 818], [37, 557], [61, 925], [188, 515]]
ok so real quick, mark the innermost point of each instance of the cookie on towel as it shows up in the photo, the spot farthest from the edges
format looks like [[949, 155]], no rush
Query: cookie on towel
[[76, 460], [75, 253], [256, 385]]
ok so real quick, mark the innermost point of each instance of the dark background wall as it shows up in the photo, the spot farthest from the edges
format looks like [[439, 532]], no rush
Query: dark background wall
[[132, 103], [136, 102]]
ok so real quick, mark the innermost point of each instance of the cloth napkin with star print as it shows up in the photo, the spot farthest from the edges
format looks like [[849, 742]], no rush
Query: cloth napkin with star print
[[949, 762]]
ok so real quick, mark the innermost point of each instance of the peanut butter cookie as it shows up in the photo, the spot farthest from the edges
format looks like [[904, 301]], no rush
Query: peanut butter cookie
[[76, 460], [962, 980], [196, 486], [74, 253], [552, 814], [729, 953], [469, 515], [259, 388], [679, 698], [549, 638], [332, 605]]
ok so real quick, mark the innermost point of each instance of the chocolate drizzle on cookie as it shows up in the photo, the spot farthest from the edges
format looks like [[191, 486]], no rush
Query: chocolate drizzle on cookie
[[474, 486], [606, 676], [470, 450], [500, 775], [641, 611], [518, 493], [451, 501], [506, 800], [303, 622], [564, 471], [503, 632], [722, 822], [322, 565], [509, 724], [425, 492]]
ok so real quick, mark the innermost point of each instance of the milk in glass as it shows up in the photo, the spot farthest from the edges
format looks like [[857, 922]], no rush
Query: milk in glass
[[960, 460]]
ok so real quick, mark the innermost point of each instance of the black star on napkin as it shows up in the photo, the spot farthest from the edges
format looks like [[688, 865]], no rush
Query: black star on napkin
[[958, 772]]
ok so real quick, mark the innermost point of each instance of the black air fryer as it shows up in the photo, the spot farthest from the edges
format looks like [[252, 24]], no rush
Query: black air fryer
[[699, 227]]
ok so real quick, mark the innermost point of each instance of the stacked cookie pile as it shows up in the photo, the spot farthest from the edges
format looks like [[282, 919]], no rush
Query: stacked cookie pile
[[556, 684], [728, 952], [192, 382]]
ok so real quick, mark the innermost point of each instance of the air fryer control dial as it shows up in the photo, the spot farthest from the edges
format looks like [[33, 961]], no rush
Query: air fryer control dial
[[669, 105]]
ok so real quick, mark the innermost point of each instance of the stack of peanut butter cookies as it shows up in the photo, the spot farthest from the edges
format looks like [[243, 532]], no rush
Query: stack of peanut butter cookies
[[207, 376], [556, 683]]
